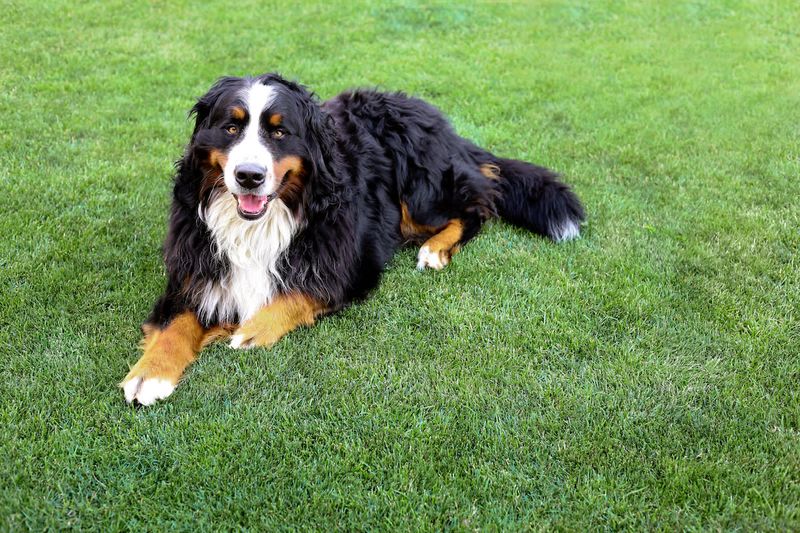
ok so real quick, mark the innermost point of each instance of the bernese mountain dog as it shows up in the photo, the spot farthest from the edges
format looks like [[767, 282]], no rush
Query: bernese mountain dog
[[286, 209]]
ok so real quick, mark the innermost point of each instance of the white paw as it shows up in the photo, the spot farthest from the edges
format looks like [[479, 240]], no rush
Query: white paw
[[427, 258], [147, 391], [239, 342]]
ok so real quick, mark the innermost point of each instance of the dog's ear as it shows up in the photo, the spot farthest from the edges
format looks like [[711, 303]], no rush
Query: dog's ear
[[188, 167], [201, 111], [326, 177], [320, 138]]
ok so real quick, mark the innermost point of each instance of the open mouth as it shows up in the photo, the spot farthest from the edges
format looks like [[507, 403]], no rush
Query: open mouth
[[251, 206]]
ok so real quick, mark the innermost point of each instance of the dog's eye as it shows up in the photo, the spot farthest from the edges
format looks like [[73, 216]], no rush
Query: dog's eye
[[278, 134], [232, 130]]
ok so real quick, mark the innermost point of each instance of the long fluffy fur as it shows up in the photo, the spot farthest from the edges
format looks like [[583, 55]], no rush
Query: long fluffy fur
[[366, 156], [252, 250], [532, 197]]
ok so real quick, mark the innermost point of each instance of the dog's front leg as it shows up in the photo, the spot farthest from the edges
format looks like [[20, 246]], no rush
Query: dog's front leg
[[167, 353], [284, 314]]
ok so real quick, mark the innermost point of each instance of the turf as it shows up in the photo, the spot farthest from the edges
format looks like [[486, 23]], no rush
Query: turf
[[643, 376]]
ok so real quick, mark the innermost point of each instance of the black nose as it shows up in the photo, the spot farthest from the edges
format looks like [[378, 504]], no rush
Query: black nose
[[250, 175]]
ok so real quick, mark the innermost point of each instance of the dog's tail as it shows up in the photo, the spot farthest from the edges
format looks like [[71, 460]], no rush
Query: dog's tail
[[533, 198]]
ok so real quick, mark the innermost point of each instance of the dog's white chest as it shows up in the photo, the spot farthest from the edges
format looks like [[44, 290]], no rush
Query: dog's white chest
[[252, 249]]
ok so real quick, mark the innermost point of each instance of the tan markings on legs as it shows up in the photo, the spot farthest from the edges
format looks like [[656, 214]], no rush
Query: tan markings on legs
[[286, 313], [410, 230], [436, 252], [216, 333], [150, 331], [490, 171], [167, 353]]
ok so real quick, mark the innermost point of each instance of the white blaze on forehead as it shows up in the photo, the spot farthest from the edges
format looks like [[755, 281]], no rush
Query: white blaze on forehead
[[258, 97], [250, 146]]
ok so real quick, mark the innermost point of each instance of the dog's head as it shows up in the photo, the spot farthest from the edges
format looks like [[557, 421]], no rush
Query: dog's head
[[258, 139]]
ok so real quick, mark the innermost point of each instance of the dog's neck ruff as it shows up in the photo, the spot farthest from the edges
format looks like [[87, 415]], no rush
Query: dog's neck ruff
[[252, 249]]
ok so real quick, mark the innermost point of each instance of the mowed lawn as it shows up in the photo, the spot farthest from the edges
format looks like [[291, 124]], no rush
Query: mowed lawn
[[646, 375]]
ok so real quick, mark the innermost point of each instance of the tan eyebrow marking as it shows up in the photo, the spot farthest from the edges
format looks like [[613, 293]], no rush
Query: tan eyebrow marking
[[276, 119], [237, 113]]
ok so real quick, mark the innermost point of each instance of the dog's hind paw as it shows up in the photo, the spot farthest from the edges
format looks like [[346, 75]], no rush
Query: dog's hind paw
[[436, 260]]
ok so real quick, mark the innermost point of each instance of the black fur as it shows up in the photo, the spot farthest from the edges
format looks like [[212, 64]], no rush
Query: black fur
[[364, 152], [532, 197]]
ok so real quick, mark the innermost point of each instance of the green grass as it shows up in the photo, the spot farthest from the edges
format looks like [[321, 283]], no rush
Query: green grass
[[644, 376]]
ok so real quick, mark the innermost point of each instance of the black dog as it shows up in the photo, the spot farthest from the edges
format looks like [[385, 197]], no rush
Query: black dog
[[285, 209]]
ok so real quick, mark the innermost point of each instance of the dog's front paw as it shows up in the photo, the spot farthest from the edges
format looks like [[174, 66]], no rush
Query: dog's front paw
[[145, 386], [240, 341], [250, 335]]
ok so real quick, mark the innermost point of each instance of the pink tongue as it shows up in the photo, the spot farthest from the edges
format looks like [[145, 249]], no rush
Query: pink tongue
[[250, 203]]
